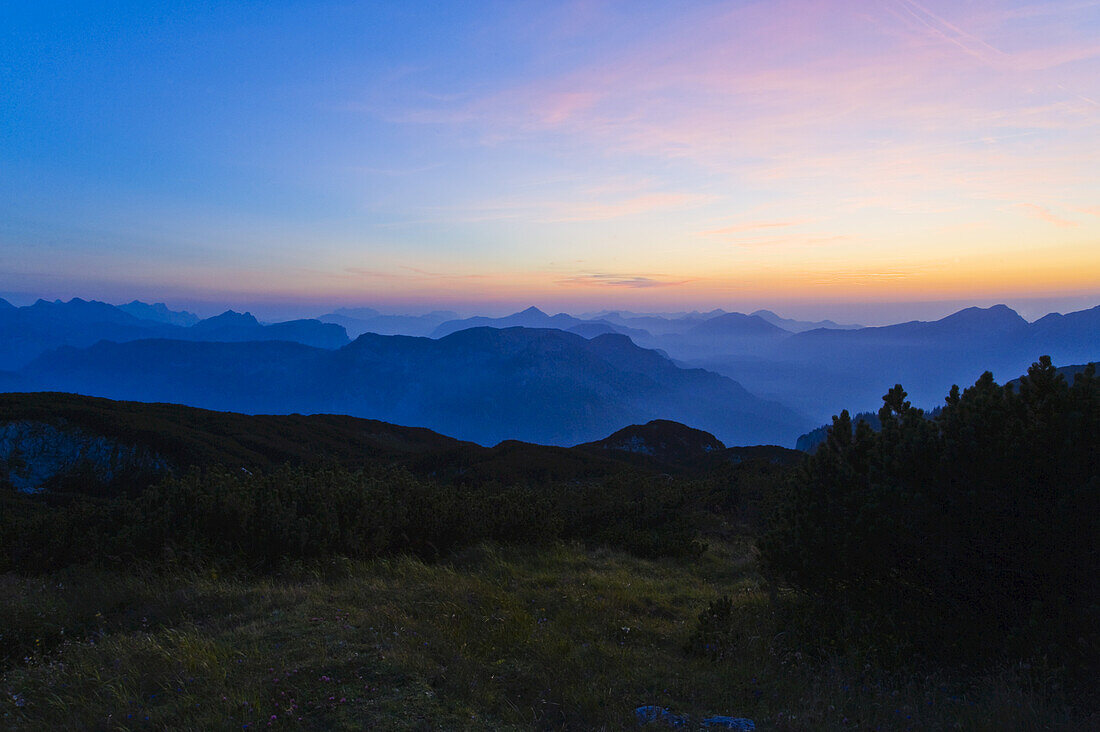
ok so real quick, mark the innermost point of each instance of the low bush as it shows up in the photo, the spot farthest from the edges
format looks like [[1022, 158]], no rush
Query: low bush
[[256, 521]]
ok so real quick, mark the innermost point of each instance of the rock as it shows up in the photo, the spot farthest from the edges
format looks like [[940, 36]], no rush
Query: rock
[[660, 715], [32, 453]]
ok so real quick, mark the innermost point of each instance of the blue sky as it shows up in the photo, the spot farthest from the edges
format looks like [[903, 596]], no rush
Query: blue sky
[[803, 156]]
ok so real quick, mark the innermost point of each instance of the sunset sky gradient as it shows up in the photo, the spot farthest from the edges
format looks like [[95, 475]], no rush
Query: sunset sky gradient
[[811, 157]]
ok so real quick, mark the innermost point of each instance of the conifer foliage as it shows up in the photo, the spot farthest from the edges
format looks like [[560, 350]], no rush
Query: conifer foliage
[[973, 532]]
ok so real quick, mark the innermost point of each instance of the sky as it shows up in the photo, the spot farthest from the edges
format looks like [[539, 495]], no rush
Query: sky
[[865, 160]]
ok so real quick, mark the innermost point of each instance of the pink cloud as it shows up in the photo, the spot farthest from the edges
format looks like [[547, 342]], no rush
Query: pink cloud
[[1044, 214], [785, 90]]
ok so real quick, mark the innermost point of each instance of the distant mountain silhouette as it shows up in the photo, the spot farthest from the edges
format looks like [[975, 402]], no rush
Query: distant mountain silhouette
[[739, 325], [233, 326], [5, 305], [532, 317], [30, 331], [1073, 337], [591, 330], [82, 311], [815, 372], [925, 357], [658, 325], [728, 333], [798, 326], [480, 384], [229, 320], [360, 313], [822, 371], [359, 320], [159, 313]]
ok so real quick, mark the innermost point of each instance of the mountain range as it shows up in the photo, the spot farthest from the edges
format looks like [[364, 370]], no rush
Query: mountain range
[[532, 317], [28, 332], [357, 321], [821, 371], [556, 379], [481, 384], [798, 326]]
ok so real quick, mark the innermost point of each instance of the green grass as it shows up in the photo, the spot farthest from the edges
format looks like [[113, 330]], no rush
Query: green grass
[[495, 638]]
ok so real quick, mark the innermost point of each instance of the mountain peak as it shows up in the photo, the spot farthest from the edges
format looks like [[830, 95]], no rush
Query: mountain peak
[[229, 318], [158, 312], [739, 324], [532, 311], [997, 316], [362, 313]]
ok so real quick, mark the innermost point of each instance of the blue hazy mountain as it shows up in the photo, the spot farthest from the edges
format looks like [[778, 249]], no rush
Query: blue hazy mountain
[[1070, 338], [362, 313], [728, 333], [481, 384], [234, 326], [27, 332], [655, 324], [738, 325], [532, 317], [591, 330], [798, 326], [357, 321], [815, 372], [82, 311], [159, 313], [823, 371]]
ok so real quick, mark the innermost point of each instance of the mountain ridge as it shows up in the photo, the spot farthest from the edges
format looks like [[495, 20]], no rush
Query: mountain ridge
[[479, 384]]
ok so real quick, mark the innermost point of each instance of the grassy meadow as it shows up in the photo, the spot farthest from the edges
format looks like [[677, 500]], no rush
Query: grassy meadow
[[494, 637]]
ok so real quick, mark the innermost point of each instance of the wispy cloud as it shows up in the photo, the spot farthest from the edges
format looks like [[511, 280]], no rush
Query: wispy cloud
[[792, 241], [1043, 214], [572, 210], [762, 93], [860, 277], [751, 226], [619, 280], [407, 274]]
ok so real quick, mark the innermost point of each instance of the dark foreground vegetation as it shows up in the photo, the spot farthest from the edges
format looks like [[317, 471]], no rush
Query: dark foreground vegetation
[[939, 573]]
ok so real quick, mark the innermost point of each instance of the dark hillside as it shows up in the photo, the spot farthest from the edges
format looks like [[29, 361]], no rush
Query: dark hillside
[[185, 436], [664, 445], [189, 436]]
